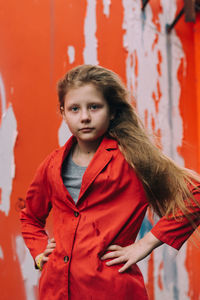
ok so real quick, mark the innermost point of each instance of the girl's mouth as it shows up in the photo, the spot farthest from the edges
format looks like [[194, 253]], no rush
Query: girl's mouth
[[86, 129]]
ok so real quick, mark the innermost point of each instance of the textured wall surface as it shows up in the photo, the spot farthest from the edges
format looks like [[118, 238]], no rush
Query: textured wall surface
[[40, 41]]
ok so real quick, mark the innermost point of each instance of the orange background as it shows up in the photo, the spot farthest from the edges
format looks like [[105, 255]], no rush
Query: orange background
[[34, 37]]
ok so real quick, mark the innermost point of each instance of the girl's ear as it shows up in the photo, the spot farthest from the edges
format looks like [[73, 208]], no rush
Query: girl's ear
[[62, 111]]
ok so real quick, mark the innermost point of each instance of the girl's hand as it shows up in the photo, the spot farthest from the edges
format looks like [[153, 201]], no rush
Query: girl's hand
[[131, 254], [42, 258]]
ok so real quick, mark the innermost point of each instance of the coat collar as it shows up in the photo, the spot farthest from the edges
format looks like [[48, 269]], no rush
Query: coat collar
[[100, 159], [107, 143]]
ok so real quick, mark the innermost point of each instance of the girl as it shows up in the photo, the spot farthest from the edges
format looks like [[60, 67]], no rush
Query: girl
[[99, 186]]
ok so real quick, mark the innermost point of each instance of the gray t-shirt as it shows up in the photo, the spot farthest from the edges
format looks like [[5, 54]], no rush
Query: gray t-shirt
[[72, 176]]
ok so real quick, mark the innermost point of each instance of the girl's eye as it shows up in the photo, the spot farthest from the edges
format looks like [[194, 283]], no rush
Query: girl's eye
[[74, 108], [94, 106]]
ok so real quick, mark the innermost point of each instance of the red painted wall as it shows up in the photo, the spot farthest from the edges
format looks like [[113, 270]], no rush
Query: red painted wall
[[34, 37]]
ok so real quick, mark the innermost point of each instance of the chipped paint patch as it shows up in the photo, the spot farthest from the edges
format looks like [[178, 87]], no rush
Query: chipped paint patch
[[8, 135], [1, 253], [63, 133], [90, 50], [106, 7], [71, 54], [29, 274]]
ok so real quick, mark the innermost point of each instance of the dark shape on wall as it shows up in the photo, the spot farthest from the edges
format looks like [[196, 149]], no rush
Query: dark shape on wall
[[190, 8]]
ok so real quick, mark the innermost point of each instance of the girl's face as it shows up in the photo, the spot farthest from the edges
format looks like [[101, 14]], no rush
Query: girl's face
[[86, 113]]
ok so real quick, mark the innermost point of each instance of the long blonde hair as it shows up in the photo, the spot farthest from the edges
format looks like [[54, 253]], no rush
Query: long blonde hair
[[166, 184]]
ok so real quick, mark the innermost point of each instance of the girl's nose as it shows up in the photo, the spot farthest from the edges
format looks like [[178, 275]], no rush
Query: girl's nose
[[85, 116]]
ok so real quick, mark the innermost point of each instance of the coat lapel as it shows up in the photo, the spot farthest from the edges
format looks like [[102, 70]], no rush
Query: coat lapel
[[101, 158]]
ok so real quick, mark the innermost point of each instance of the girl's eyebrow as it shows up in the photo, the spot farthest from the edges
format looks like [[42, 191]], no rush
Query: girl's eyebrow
[[74, 104], [89, 101]]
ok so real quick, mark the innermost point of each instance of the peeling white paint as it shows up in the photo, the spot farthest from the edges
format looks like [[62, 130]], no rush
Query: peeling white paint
[[183, 280], [63, 133], [106, 7], [71, 54], [169, 11], [90, 50], [167, 275], [29, 274], [158, 271], [1, 253], [177, 122], [8, 134], [139, 38], [144, 44], [174, 53], [143, 267]]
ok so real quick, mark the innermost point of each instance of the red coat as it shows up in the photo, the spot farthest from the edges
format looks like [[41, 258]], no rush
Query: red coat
[[110, 209]]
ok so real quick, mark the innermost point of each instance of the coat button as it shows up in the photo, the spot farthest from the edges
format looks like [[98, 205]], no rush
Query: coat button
[[76, 213], [66, 259]]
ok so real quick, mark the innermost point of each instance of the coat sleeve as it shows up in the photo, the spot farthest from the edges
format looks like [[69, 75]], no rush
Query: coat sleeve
[[33, 216], [175, 231]]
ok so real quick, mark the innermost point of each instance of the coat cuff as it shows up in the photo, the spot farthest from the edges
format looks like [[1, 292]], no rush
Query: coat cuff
[[174, 232]]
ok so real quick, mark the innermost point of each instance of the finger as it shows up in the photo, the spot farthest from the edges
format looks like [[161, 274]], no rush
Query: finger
[[45, 259], [111, 255], [52, 240], [51, 245], [48, 251], [127, 265], [113, 248], [116, 261]]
